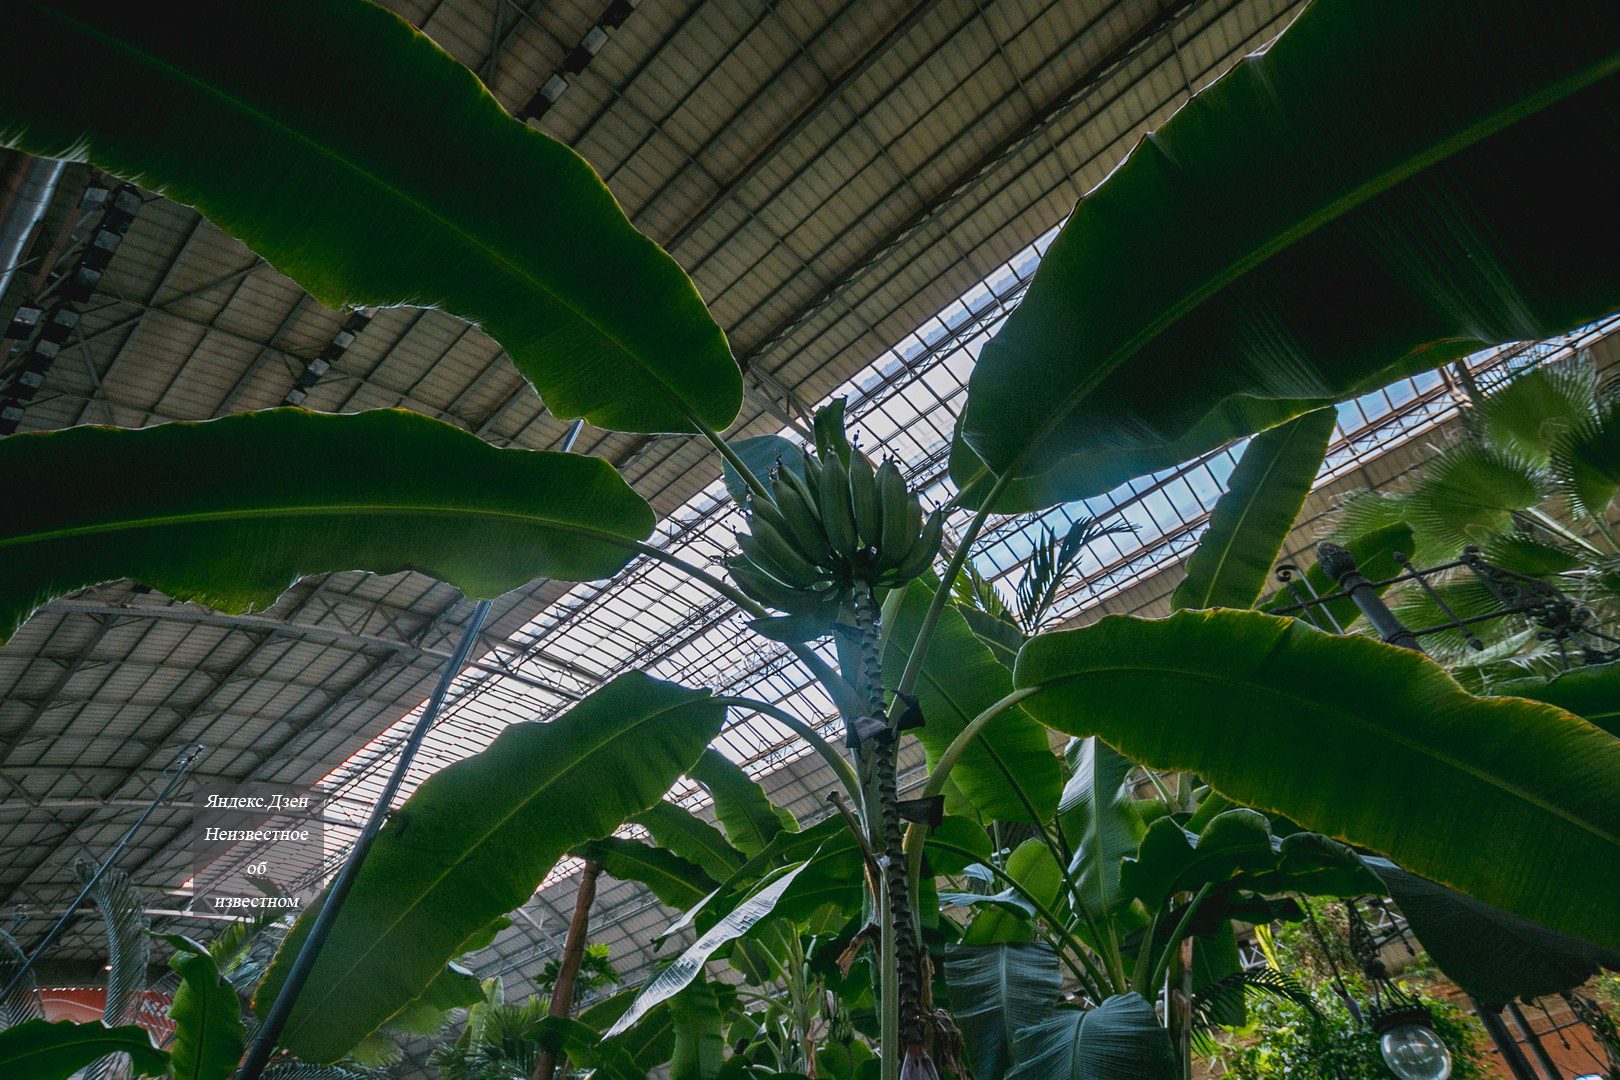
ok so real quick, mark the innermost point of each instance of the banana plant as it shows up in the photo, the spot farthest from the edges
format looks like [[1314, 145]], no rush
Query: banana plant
[[1272, 245]]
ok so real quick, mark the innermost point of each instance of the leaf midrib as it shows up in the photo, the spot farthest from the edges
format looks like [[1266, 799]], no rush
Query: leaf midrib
[[306, 511], [502, 261], [1348, 718]]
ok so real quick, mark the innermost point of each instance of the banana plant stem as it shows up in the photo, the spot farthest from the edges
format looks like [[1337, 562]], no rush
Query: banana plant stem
[[1162, 965], [888, 989]]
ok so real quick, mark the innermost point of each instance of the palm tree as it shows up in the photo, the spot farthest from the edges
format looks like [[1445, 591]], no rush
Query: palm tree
[[1532, 484]]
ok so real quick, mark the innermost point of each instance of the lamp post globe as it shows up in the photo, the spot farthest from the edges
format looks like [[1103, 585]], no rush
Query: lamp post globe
[[1414, 1052]]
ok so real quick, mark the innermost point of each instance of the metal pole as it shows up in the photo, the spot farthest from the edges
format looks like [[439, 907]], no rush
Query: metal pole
[[1533, 1041], [1505, 1042], [1340, 565], [264, 1040], [175, 771]]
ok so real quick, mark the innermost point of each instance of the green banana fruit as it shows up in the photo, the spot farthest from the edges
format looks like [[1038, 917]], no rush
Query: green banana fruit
[[803, 522], [894, 500], [837, 513], [797, 570], [863, 499], [771, 592], [921, 556]]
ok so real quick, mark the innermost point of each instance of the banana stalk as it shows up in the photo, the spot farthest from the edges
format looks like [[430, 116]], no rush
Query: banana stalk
[[888, 841]]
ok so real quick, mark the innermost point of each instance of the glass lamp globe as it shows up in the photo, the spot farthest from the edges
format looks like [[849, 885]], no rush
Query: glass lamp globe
[[1414, 1052]]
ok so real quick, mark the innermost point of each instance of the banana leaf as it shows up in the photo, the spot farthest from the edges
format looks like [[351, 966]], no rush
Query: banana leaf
[[474, 212], [42, 1050], [1237, 847], [1009, 773], [1099, 821], [996, 991], [755, 908], [750, 819], [1591, 692], [692, 838], [207, 1016], [1118, 1040], [221, 513], [700, 1043], [1512, 802], [1299, 233], [1232, 563], [1215, 959], [476, 840], [676, 882], [607, 1061], [1492, 954], [649, 1044], [1032, 866]]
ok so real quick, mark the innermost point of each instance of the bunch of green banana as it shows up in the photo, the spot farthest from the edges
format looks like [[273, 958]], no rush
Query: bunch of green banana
[[831, 527]]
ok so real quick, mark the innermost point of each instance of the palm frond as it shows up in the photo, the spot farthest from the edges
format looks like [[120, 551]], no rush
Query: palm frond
[[1224, 995], [1586, 462], [300, 1070], [1468, 492], [1050, 562], [23, 1003], [129, 946], [972, 590], [1526, 416]]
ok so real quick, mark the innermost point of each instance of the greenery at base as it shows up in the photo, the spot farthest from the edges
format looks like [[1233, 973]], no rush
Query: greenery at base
[[1294, 1044], [1284, 1039]]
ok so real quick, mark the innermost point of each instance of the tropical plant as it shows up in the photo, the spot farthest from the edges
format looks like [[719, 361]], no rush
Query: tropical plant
[[1308, 1032], [1531, 483], [1273, 246]]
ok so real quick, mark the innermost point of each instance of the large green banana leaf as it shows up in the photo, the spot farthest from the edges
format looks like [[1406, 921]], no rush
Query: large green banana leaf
[[476, 840], [1100, 822], [1232, 563], [207, 1016], [750, 819], [675, 881], [1009, 773], [231, 512], [1366, 199], [1513, 802], [1494, 955], [700, 1043], [42, 1050], [1592, 693], [693, 839], [367, 165], [997, 990], [1121, 1039]]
